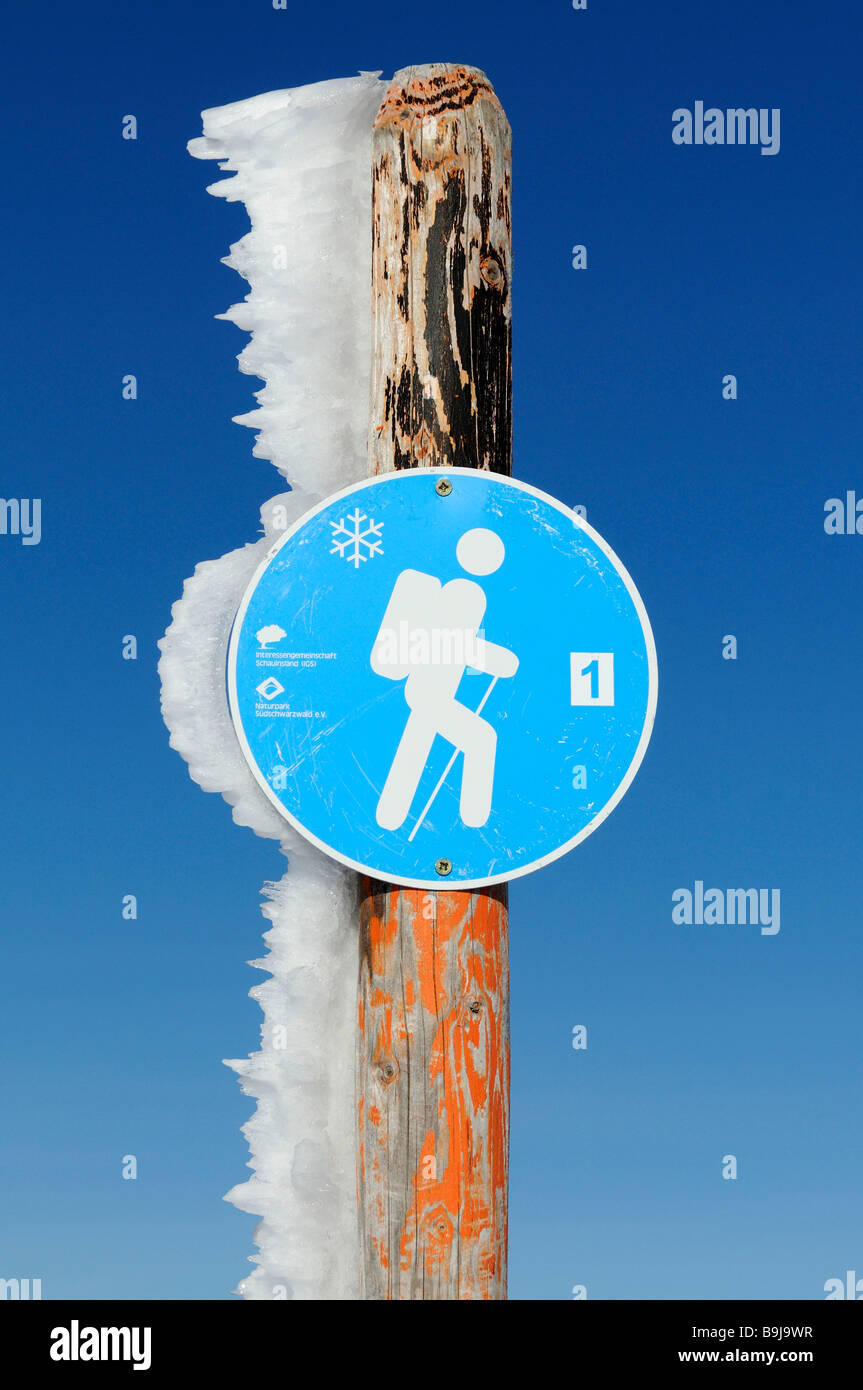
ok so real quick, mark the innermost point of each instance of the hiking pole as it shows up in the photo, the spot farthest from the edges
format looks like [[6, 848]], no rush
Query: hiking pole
[[446, 772]]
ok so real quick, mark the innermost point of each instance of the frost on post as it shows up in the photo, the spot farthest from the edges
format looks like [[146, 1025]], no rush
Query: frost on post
[[301, 161]]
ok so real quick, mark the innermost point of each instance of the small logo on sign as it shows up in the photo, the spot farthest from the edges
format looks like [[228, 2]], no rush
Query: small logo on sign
[[270, 688]]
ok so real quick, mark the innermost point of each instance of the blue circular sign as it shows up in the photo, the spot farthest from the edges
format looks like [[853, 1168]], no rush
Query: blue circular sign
[[443, 678]]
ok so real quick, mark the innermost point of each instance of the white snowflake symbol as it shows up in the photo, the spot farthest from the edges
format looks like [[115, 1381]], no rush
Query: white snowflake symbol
[[350, 541]]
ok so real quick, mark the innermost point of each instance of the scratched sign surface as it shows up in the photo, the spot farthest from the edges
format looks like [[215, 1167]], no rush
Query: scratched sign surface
[[443, 678]]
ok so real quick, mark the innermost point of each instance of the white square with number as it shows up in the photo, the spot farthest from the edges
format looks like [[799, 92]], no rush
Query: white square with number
[[591, 678]]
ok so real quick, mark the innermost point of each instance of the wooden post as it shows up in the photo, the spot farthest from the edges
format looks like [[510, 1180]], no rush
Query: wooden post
[[433, 1048]]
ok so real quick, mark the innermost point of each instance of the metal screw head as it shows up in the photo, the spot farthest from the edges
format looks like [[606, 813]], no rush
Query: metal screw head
[[443, 867], [443, 488]]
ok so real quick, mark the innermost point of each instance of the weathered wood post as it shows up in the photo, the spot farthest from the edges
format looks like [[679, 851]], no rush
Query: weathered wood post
[[433, 1050]]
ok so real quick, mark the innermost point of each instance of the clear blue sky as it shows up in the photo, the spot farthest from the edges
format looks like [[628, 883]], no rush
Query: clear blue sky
[[703, 1040]]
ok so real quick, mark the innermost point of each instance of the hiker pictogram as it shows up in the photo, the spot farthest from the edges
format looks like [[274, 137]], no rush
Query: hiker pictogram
[[430, 634]]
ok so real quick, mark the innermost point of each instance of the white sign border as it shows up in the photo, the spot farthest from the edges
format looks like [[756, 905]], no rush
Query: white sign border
[[438, 884]]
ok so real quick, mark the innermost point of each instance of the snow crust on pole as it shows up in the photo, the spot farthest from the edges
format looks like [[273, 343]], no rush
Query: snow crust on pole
[[301, 163]]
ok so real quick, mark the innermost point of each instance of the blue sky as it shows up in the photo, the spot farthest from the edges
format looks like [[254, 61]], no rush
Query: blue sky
[[703, 1040]]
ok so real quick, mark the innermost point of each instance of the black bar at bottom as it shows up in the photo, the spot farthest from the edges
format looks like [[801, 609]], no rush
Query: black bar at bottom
[[66, 1338]]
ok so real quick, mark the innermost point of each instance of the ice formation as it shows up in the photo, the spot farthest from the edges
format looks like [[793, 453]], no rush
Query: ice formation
[[301, 163]]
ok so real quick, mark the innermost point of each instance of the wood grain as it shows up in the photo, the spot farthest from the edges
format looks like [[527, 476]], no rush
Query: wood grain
[[434, 1098], [441, 274], [433, 1049]]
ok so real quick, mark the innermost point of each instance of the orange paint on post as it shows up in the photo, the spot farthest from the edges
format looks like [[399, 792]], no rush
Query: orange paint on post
[[442, 1141]]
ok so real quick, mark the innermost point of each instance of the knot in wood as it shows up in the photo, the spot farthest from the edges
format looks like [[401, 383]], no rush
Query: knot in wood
[[475, 1005], [491, 271], [387, 1071]]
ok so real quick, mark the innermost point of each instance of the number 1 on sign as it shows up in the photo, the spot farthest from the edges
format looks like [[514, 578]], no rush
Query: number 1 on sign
[[593, 671], [591, 678]]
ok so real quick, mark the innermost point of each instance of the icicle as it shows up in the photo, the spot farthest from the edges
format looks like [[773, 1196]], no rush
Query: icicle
[[301, 161]]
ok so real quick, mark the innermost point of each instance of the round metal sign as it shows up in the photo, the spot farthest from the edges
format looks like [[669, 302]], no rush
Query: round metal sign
[[443, 678]]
